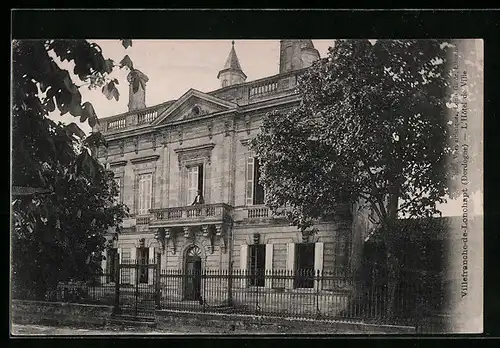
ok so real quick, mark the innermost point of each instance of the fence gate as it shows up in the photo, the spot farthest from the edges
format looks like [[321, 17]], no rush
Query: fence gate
[[137, 288]]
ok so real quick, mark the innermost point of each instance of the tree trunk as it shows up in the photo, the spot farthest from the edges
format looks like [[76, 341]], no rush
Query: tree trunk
[[392, 262], [392, 266]]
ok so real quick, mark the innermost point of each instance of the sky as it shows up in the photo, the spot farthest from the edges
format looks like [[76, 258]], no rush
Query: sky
[[175, 66]]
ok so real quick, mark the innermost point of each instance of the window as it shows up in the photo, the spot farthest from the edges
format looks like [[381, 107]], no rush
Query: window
[[144, 192], [143, 258], [254, 190], [257, 264], [111, 264], [195, 182], [125, 276], [304, 261], [126, 254], [224, 83]]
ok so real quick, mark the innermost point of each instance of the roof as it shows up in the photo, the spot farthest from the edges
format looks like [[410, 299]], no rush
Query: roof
[[232, 62]]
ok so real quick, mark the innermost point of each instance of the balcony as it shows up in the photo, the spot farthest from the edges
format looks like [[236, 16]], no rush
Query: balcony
[[195, 215]]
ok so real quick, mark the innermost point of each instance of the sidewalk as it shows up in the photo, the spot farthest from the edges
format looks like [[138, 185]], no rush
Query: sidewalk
[[43, 330]]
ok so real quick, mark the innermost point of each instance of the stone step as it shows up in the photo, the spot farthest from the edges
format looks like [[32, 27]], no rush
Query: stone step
[[131, 320]]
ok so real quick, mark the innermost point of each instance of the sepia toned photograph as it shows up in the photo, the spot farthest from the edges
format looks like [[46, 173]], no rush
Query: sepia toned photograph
[[243, 187]]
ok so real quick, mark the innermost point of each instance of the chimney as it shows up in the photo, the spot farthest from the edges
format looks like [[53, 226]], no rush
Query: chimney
[[137, 100]]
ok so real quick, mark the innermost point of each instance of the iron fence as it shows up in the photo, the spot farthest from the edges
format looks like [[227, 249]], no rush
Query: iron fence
[[302, 294], [293, 294]]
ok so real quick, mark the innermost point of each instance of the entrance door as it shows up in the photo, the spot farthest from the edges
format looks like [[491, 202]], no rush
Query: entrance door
[[192, 289]]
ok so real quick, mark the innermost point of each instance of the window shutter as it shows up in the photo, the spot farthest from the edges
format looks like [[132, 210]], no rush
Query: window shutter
[[318, 262], [243, 264], [269, 265], [149, 189], [250, 179], [140, 191], [192, 186]]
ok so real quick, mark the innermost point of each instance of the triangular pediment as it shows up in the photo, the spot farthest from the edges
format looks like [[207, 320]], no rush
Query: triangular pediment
[[191, 105]]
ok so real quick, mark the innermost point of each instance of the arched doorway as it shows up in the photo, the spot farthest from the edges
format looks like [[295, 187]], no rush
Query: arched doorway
[[192, 284]]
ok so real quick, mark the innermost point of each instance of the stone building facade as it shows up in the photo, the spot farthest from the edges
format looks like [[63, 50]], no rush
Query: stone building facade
[[163, 155]]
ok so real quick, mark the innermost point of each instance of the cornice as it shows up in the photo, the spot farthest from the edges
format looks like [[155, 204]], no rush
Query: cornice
[[182, 150], [144, 159], [118, 163]]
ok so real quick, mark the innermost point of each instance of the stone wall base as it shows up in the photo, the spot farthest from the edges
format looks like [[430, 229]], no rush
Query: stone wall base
[[58, 313]]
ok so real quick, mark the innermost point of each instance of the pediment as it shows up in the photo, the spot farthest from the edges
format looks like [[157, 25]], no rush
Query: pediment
[[191, 105]]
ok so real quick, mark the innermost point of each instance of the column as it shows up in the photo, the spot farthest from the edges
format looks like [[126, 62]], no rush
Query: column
[[290, 263], [318, 262], [269, 265]]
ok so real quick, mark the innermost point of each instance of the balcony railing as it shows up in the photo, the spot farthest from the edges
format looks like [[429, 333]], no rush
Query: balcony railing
[[258, 212], [191, 214], [118, 123], [147, 116], [143, 220], [133, 118]]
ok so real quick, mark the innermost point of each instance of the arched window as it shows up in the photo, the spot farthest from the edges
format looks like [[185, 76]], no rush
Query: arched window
[[224, 83]]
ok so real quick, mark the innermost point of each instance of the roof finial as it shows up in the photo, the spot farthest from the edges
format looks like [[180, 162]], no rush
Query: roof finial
[[232, 42]]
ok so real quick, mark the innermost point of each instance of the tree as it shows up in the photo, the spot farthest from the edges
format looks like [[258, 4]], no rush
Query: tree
[[60, 225], [370, 130]]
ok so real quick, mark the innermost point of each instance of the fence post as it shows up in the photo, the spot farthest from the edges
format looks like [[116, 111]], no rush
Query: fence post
[[204, 281], [136, 268], [158, 281], [318, 282], [230, 284], [116, 307]]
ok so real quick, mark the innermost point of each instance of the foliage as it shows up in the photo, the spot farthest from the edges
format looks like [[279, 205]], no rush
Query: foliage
[[370, 130], [63, 232], [59, 235]]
